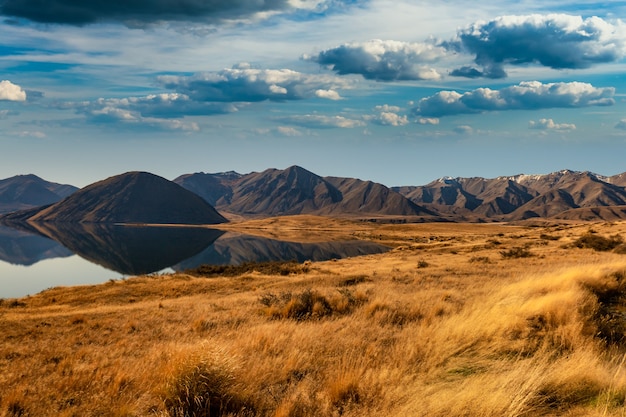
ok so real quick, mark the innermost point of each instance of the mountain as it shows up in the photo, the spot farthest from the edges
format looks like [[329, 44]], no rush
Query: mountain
[[28, 191], [295, 190], [521, 196], [211, 187], [133, 197], [619, 180]]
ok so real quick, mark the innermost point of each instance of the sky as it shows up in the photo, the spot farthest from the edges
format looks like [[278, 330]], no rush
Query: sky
[[394, 91]]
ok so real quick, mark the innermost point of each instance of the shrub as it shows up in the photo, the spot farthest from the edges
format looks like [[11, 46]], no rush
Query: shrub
[[481, 259], [309, 304], [597, 242], [548, 237], [516, 252], [422, 264]]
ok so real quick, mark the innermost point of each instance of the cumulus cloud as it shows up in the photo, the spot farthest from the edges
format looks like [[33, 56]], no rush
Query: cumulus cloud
[[11, 92], [556, 41], [621, 124], [288, 131], [382, 60], [136, 12], [464, 130], [527, 95], [548, 124], [160, 110], [315, 121], [428, 121], [388, 116], [244, 84], [169, 105], [391, 119], [328, 94]]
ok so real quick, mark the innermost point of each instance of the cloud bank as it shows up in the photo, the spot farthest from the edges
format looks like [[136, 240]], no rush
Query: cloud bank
[[556, 41], [11, 92], [74, 12], [244, 84], [382, 60], [529, 95]]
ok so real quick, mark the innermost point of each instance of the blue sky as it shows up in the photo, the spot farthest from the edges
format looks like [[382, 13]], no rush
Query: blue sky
[[398, 92]]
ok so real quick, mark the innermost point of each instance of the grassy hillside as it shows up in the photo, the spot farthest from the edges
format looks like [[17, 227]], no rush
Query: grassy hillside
[[458, 320]]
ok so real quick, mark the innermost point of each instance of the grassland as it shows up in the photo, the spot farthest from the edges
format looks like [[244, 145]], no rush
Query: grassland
[[456, 320]]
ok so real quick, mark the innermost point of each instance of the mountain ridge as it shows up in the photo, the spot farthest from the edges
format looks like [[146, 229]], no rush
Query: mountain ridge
[[565, 194]]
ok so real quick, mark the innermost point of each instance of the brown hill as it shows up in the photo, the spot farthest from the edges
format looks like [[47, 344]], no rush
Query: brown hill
[[295, 190], [133, 197], [27, 191]]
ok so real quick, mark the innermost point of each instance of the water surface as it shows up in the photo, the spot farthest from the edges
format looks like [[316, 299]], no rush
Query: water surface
[[33, 258]]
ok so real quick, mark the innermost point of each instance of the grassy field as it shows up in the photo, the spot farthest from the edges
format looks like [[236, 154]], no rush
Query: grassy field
[[456, 320]]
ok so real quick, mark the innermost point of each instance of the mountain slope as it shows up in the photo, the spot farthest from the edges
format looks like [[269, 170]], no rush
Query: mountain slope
[[295, 190], [213, 188], [133, 197], [27, 191], [282, 192]]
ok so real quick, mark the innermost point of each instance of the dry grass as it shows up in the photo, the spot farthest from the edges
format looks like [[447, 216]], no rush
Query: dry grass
[[443, 325]]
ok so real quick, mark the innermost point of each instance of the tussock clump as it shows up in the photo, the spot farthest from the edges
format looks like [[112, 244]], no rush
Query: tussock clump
[[310, 304], [609, 316], [203, 383], [516, 252], [267, 268], [599, 243]]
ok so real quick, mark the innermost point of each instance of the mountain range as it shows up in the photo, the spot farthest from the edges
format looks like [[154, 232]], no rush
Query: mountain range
[[27, 191], [202, 198], [562, 195], [295, 190]]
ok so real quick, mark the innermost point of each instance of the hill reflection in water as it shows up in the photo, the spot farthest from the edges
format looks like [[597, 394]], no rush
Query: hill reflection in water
[[133, 250]]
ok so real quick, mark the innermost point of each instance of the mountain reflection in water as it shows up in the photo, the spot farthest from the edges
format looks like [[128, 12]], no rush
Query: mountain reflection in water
[[134, 250]]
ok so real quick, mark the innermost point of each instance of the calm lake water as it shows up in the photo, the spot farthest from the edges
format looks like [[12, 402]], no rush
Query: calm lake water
[[62, 254]]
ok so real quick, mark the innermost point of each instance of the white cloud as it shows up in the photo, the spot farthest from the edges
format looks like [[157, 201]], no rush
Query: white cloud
[[316, 121], [387, 108], [548, 124], [253, 85], [288, 131], [428, 121], [382, 60], [621, 124], [11, 92], [328, 94], [557, 41], [527, 95], [464, 130], [391, 119]]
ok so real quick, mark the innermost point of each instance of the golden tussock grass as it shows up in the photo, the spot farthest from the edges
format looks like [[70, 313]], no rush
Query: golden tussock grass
[[443, 325]]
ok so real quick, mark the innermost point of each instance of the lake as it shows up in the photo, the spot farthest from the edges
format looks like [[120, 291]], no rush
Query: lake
[[34, 258]]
